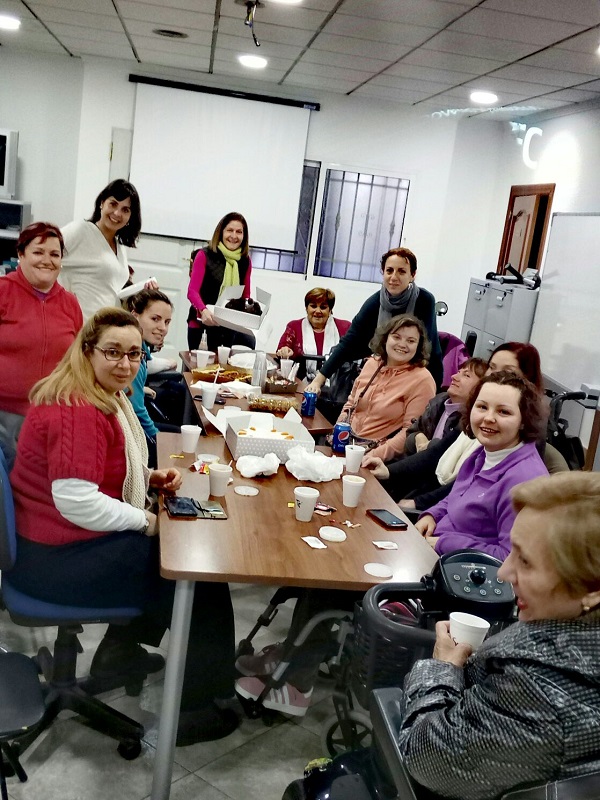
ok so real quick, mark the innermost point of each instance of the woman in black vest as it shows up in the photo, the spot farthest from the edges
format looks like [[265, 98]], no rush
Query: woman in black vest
[[225, 262]]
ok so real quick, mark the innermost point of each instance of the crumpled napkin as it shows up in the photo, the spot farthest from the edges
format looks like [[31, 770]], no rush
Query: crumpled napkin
[[251, 466], [316, 466]]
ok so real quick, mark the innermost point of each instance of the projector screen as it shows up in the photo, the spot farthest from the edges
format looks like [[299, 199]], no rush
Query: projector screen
[[197, 156]]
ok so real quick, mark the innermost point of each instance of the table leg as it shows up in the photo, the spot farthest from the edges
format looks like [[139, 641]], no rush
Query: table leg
[[169, 715]]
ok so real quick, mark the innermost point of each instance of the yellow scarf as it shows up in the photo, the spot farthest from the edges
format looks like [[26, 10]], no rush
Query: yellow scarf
[[231, 276]]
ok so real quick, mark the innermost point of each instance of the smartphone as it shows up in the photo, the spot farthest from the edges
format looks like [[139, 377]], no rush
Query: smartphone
[[387, 519], [181, 507]]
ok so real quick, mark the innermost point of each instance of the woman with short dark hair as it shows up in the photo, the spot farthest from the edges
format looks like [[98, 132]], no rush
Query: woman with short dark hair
[[95, 266], [399, 294], [315, 334], [38, 322]]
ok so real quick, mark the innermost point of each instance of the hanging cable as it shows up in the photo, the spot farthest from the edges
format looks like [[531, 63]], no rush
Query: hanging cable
[[251, 6]]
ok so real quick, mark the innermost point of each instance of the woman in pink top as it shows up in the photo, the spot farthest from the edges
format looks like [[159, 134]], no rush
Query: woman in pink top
[[393, 387]]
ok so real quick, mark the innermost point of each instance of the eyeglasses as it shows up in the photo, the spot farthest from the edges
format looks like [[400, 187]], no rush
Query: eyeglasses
[[112, 354]]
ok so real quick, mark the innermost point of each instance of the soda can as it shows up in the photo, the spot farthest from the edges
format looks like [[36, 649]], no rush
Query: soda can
[[341, 437], [309, 404]]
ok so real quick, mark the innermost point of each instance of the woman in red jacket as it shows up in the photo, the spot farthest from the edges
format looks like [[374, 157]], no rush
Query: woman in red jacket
[[38, 321]]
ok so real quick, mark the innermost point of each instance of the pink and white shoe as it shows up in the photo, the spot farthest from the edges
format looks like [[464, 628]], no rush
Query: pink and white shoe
[[286, 698], [263, 663]]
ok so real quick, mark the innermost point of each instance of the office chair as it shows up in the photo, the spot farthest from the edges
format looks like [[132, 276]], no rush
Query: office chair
[[62, 689], [21, 709]]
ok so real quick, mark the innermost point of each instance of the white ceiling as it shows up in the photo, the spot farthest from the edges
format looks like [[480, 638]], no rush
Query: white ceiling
[[430, 54]]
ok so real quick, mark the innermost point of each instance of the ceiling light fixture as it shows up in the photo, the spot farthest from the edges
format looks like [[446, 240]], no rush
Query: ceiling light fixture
[[253, 62], [8, 23], [484, 98]]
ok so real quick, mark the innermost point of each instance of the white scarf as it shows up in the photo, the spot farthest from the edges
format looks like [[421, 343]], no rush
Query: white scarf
[[136, 454], [309, 345], [454, 457]]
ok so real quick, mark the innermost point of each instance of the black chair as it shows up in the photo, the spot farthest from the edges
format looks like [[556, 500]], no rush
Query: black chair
[[22, 708], [62, 689]]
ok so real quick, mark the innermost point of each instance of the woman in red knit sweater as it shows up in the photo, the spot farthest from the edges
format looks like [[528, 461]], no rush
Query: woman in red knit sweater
[[86, 536]]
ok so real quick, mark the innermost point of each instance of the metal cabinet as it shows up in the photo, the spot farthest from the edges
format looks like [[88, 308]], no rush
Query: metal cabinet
[[498, 313]]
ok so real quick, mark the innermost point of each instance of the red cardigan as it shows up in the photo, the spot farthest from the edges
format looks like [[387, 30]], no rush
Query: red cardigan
[[35, 333], [292, 336], [57, 442]]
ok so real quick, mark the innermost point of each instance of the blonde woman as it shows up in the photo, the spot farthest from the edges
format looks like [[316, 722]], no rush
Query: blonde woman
[[86, 536]]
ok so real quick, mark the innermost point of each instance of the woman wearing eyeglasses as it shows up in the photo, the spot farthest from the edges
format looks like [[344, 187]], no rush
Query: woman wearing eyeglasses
[[80, 482]]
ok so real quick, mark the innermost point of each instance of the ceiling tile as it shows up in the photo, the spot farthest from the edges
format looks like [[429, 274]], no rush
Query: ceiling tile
[[493, 83], [389, 93], [316, 56], [271, 33], [390, 51], [587, 63], [276, 66], [458, 62], [378, 30], [429, 13], [451, 41], [82, 19], [87, 6], [233, 67], [327, 84], [199, 63], [81, 47], [176, 47], [579, 12], [240, 44], [574, 95], [139, 28], [165, 16], [339, 73], [277, 14], [425, 88], [514, 27], [201, 6], [583, 43], [405, 70], [545, 77]]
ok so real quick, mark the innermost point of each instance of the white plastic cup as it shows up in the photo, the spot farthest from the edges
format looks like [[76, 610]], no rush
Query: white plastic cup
[[305, 498], [209, 395], [352, 488], [223, 353], [468, 629], [202, 357], [218, 476], [254, 391], [285, 366], [189, 437], [354, 457]]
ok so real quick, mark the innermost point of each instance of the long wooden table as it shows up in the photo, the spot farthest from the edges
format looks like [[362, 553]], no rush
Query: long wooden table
[[261, 542], [316, 426]]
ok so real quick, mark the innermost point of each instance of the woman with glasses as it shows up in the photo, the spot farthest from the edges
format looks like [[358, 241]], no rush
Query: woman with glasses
[[86, 534], [38, 321]]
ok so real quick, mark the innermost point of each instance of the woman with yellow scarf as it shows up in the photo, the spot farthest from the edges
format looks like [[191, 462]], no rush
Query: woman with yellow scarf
[[225, 262]]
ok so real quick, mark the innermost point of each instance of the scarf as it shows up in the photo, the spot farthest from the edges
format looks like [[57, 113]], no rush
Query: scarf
[[231, 276], [136, 454], [392, 306], [309, 345], [454, 457]]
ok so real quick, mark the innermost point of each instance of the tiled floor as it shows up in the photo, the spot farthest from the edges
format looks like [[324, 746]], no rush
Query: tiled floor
[[70, 761]]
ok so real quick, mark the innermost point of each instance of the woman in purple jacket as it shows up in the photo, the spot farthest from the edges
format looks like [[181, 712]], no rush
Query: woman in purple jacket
[[505, 414]]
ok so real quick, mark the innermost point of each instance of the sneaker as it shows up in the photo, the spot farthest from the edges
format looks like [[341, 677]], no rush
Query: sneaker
[[263, 663], [286, 698]]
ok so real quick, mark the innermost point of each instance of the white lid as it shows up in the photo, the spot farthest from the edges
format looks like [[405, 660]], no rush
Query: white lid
[[331, 534], [378, 570]]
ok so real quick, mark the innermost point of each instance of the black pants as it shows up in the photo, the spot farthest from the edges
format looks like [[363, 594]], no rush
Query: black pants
[[217, 335], [121, 569]]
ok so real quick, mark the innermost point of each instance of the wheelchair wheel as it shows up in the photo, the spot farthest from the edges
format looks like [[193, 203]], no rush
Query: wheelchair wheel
[[333, 740]]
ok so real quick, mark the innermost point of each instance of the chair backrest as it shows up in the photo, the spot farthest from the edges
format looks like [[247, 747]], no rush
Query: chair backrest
[[8, 532]]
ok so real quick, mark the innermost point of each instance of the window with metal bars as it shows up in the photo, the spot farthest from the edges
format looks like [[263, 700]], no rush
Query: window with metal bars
[[283, 260], [361, 218]]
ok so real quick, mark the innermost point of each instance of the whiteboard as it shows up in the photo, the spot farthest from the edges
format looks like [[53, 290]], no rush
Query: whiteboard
[[195, 157], [566, 328]]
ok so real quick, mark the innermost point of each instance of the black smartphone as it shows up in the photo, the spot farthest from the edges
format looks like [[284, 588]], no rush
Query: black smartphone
[[181, 507], [387, 519]]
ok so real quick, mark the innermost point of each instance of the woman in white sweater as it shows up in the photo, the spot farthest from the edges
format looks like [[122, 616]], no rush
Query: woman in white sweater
[[95, 266]]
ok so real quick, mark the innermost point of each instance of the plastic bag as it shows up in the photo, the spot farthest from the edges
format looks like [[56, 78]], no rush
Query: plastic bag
[[316, 467], [251, 466]]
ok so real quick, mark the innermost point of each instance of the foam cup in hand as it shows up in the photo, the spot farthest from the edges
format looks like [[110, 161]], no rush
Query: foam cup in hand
[[218, 475], [468, 629], [352, 487], [285, 366], [305, 498], [202, 357], [189, 437], [354, 456], [223, 353], [209, 395]]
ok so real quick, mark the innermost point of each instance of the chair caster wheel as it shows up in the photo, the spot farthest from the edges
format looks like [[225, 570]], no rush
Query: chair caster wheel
[[129, 749]]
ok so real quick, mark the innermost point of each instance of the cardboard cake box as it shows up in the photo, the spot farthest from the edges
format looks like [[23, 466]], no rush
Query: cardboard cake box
[[239, 320], [256, 445]]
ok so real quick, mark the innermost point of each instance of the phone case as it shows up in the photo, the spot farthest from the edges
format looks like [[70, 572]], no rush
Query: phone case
[[401, 526], [181, 507]]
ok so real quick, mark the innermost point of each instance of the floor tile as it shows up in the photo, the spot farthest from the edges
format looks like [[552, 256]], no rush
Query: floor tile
[[191, 787], [263, 767]]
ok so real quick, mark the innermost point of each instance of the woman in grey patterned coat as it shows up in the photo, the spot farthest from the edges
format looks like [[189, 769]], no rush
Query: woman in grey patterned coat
[[525, 708]]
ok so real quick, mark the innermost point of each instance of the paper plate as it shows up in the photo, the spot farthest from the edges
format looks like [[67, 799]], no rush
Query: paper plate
[[331, 534], [246, 491], [378, 570]]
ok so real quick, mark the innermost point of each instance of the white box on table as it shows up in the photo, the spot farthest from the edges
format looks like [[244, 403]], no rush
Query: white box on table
[[240, 321], [259, 445]]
